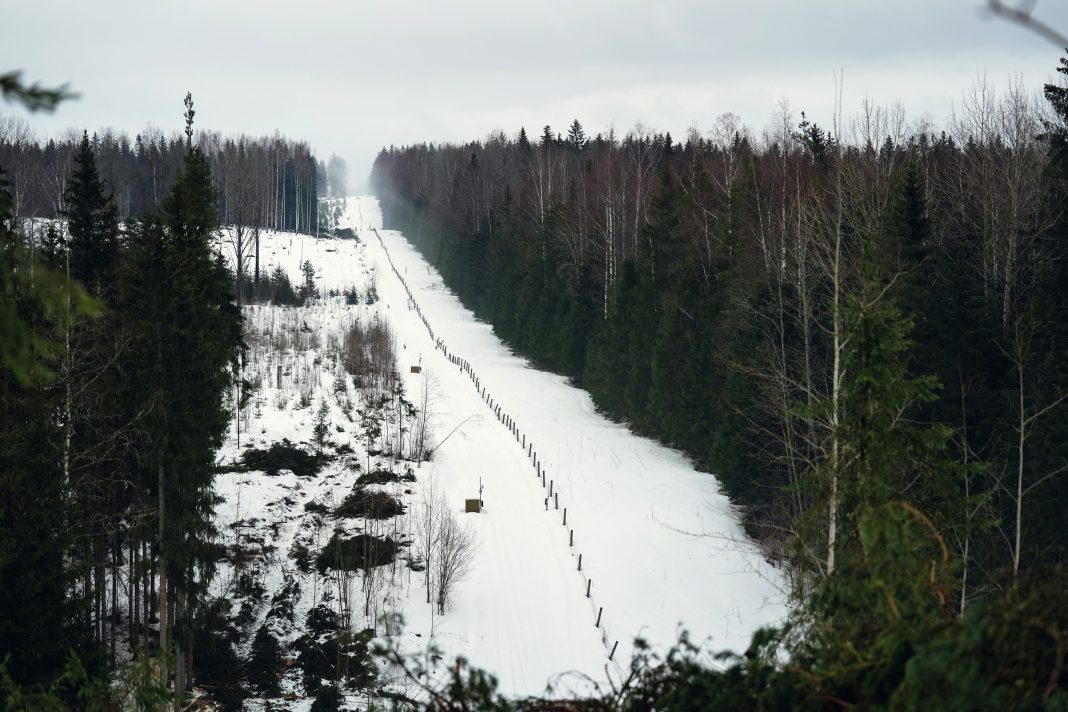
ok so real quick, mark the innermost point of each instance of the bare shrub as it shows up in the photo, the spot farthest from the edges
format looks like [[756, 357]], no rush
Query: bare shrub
[[370, 355]]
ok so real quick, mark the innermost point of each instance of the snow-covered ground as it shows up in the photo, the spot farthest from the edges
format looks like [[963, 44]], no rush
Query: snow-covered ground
[[661, 548]]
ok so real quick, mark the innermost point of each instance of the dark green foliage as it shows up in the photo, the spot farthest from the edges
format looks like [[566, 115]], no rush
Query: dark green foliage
[[283, 456], [302, 556], [307, 292], [177, 302], [330, 656], [92, 223], [138, 688], [382, 477], [318, 660], [354, 553], [39, 622], [283, 600], [33, 96], [276, 289], [265, 663], [36, 302], [218, 668], [111, 425], [370, 504], [327, 699], [322, 620]]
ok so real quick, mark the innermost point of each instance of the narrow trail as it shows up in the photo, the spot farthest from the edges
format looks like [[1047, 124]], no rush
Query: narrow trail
[[551, 499]]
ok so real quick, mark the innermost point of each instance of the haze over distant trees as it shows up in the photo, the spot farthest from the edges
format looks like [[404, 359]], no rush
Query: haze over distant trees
[[333, 177]]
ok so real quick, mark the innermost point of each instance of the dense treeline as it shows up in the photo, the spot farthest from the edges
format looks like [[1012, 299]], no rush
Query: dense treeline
[[270, 182], [110, 426], [704, 292]]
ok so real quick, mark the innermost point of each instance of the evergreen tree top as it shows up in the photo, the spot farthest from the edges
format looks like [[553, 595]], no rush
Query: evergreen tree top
[[547, 136], [92, 220], [576, 136], [189, 114]]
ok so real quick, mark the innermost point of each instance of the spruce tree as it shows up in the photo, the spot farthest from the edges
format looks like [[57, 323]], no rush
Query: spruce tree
[[576, 137], [178, 297], [547, 138], [92, 223], [894, 578]]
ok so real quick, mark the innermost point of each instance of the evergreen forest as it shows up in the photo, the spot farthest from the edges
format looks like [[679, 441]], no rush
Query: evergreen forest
[[860, 329], [121, 340]]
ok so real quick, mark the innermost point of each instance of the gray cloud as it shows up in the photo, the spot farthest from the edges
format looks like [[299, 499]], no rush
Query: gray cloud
[[351, 76]]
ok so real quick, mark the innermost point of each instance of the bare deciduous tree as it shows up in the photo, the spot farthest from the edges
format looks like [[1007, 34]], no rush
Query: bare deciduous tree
[[427, 525], [422, 429], [456, 548]]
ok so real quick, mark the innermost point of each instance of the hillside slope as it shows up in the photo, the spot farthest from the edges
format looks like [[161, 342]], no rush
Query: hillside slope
[[660, 548]]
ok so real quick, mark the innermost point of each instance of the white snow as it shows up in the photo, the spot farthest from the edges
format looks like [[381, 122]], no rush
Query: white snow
[[660, 543]]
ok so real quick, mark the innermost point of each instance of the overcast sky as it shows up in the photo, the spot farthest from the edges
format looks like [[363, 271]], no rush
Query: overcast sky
[[351, 76]]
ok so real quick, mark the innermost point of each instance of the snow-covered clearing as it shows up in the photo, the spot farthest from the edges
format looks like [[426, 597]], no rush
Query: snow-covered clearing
[[661, 549]]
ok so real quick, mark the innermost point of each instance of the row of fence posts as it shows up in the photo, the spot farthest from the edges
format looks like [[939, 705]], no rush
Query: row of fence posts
[[521, 438]]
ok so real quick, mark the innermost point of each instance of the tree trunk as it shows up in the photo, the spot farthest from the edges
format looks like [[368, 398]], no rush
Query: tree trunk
[[163, 611], [115, 549], [836, 373], [179, 656], [1019, 462]]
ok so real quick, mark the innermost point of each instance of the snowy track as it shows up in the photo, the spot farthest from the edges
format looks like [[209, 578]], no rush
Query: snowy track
[[660, 541]]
